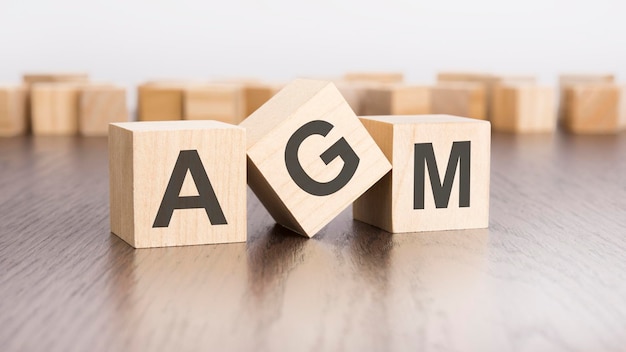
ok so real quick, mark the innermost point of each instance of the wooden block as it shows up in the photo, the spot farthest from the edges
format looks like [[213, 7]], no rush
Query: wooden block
[[465, 99], [440, 174], [176, 183], [100, 105], [396, 100], [309, 157], [54, 108], [594, 108], [76, 77], [375, 77], [12, 110], [257, 94], [570, 79], [221, 102], [161, 101], [523, 108], [488, 80]]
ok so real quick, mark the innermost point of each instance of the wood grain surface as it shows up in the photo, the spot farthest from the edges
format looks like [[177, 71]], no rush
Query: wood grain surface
[[548, 275]]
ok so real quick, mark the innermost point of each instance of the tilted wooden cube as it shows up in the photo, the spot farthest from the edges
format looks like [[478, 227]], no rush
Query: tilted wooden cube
[[176, 183], [523, 108], [221, 102], [595, 108], [440, 175], [12, 110], [396, 100], [100, 105], [570, 79], [465, 99], [54, 108], [309, 156]]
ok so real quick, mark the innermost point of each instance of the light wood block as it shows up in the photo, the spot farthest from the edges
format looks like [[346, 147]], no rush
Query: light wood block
[[257, 94], [375, 77], [221, 102], [309, 156], [396, 100], [467, 99], [569, 79], [453, 151], [12, 110], [161, 101], [176, 183], [524, 108], [54, 108], [48, 77], [488, 80], [100, 105], [594, 108]]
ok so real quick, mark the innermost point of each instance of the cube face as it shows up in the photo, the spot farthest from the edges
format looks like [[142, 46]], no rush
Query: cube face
[[154, 205], [160, 102], [440, 175], [54, 108], [568, 80], [523, 109], [594, 108], [309, 154], [223, 102], [460, 99], [99, 106], [396, 100], [12, 111]]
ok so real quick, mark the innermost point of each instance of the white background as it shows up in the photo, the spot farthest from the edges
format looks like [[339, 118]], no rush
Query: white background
[[131, 41]]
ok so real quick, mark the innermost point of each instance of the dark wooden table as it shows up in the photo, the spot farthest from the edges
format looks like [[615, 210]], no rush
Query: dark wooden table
[[548, 275]]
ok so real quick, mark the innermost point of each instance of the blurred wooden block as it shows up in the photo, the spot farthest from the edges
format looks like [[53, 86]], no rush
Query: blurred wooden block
[[375, 77], [221, 102], [161, 101], [523, 108], [488, 80], [570, 79], [54, 108], [76, 77], [396, 100], [257, 94], [594, 108], [12, 110], [176, 183], [467, 99], [309, 156], [440, 174], [100, 105]]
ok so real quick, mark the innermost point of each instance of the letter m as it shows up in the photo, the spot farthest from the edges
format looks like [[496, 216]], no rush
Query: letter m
[[425, 157]]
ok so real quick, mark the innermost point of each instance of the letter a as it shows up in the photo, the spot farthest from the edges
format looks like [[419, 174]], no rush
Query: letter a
[[189, 160]]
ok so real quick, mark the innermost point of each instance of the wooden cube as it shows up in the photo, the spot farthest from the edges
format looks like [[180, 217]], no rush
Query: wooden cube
[[396, 100], [488, 80], [440, 174], [100, 105], [375, 77], [569, 79], [221, 102], [465, 99], [523, 108], [309, 156], [12, 110], [594, 108], [257, 94], [161, 101], [54, 108], [48, 77], [176, 183]]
